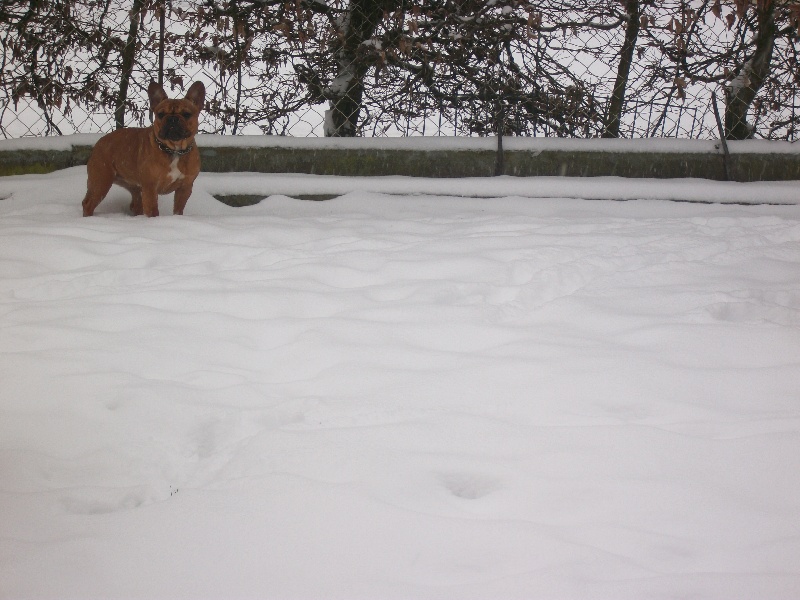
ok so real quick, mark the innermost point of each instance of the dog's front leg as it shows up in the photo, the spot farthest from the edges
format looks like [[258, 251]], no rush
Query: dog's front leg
[[150, 201], [181, 197]]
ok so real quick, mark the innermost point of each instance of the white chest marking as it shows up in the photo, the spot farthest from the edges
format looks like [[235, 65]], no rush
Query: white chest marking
[[174, 172]]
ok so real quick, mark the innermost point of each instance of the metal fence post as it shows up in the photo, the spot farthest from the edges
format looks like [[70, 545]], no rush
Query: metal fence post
[[723, 142], [499, 165]]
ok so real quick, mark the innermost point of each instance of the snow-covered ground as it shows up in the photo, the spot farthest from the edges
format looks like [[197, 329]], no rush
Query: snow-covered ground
[[386, 396]]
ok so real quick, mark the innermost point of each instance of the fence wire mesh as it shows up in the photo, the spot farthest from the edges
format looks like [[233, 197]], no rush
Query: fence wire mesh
[[572, 68]]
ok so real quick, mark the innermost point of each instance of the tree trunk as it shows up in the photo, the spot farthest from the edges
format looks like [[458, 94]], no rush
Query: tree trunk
[[617, 103], [743, 89], [345, 92], [128, 57]]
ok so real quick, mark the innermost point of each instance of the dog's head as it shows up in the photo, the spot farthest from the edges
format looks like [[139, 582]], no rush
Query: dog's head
[[175, 121]]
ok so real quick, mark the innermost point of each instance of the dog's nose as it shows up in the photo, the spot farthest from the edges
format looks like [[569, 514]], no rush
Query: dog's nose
[[173, 120]]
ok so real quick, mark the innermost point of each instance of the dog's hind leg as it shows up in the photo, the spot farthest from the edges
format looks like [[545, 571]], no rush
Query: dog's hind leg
[[136, 197], [136, 202], [97, 186], [149, 197]]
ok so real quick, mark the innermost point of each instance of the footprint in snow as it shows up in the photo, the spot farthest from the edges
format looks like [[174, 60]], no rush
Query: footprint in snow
[[469, 486], [101, 501]]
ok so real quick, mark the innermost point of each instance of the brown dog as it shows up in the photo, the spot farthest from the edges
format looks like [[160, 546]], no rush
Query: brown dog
[[149, 161]]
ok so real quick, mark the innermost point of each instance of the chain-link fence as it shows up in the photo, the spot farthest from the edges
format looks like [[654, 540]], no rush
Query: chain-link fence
[[573, 68]]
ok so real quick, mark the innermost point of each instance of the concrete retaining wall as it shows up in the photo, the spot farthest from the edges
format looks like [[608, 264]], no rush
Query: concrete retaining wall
[[446, 157]]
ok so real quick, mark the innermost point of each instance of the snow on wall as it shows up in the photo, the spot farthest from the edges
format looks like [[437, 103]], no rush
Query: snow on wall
[[67, 142]]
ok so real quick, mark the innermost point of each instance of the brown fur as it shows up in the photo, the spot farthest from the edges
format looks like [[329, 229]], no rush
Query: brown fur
[[132, 158]]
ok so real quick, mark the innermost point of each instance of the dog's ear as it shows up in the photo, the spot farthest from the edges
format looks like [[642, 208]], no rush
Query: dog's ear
[[156, 94], [197, 94]]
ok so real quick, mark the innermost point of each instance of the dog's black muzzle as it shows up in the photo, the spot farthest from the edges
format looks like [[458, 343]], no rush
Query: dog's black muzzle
[[173, 129]]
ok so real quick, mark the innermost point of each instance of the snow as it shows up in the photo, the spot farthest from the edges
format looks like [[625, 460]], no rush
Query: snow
[[594, 188], [401, 396], [340, 83], [743, 79], [373, 43]]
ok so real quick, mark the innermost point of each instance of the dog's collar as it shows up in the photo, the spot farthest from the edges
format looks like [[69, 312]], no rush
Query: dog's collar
[[171, 152]]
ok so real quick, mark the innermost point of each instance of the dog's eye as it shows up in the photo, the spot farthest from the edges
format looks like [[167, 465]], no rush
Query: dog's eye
[[186, 115], [161, 115]]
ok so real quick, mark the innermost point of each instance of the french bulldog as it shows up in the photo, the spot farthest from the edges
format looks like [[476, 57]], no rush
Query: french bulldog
[[150, 161]]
